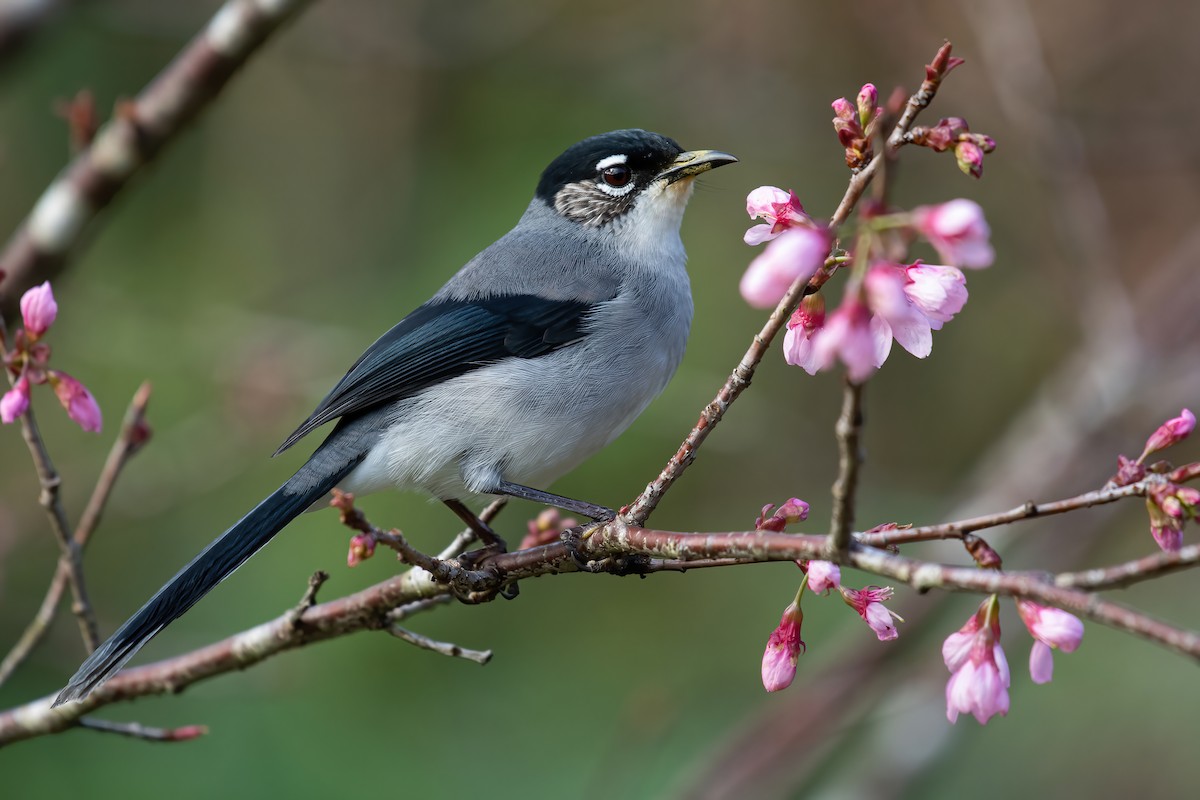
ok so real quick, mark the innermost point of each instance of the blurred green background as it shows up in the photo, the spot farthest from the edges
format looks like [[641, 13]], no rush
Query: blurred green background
[[370, 150]]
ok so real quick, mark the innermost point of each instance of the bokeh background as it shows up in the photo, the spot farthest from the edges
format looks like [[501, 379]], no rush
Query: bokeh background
[[375, 146]]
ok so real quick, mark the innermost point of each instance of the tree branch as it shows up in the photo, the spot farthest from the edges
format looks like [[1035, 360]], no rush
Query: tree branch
[[70, 560], [849, 432], [132, 436], [616, 548], [956, 530], [135, 135]]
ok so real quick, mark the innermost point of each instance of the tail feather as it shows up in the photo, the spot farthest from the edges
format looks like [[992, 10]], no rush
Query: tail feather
[[205, 571]]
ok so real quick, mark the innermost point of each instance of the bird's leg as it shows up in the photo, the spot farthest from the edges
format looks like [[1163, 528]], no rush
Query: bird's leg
[[481, 529], [492, 543], [589, 510]]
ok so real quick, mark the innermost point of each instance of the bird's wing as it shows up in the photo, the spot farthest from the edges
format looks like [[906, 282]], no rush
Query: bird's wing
[[443, 339]]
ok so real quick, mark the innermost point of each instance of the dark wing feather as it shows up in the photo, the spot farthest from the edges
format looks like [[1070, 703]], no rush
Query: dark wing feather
[[445, 339]]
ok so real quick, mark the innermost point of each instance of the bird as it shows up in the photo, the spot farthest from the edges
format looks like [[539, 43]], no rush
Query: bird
[[536, 354]]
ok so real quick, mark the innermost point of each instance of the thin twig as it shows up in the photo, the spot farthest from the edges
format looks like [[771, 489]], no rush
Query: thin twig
[[309, 598], [138, 731], [956, 530], [70, 552], [444, 648], [132, 436], [849, 432], [1131, 572], [417, 606], [138, 131]]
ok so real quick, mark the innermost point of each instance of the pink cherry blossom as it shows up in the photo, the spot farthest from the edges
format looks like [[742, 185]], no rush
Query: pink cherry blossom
[[884, 285], [1171, 432], [798, 340], [869, 603], [979, 677], [780, 209], [958, 231], [938, 292], [77, 400], [823, 576], [783, 650], [15, 401], [852, 334], [794, 256], [38, 310], [1050, 627]]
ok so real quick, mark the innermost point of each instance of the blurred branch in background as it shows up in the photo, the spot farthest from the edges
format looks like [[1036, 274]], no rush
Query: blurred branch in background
[[133, 137], [21, 19]]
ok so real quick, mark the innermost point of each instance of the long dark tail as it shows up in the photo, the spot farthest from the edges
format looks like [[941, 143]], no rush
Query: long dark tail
[[212, 566]]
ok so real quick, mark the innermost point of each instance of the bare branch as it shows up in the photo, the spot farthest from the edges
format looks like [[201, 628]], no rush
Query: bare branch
[[849, 432], [71, 557], [1131, 572], [444, 648], [136, 730], [132, 436], [135, 135], [956, 530]]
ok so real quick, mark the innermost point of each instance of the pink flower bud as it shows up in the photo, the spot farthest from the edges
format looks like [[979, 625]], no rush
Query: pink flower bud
[[77, 400], [970, 158], [794, 256], [1128, 471], [843, 110], [362, 547], [1168, 537], [823, 576], [1171, 432], [958, 231], [15, 401], [38, 310], [783, 650], [868, 105], [187, 732], [794, 510], [545, 528], [942, 63]]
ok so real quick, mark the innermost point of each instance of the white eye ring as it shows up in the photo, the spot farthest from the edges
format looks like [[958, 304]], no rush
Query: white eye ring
[[608, 161], [606, 164]]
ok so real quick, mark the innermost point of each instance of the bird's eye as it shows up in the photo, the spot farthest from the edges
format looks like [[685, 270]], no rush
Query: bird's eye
[[617, 175]]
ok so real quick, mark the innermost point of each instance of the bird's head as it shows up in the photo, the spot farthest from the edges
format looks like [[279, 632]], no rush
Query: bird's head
[[627, 178]]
